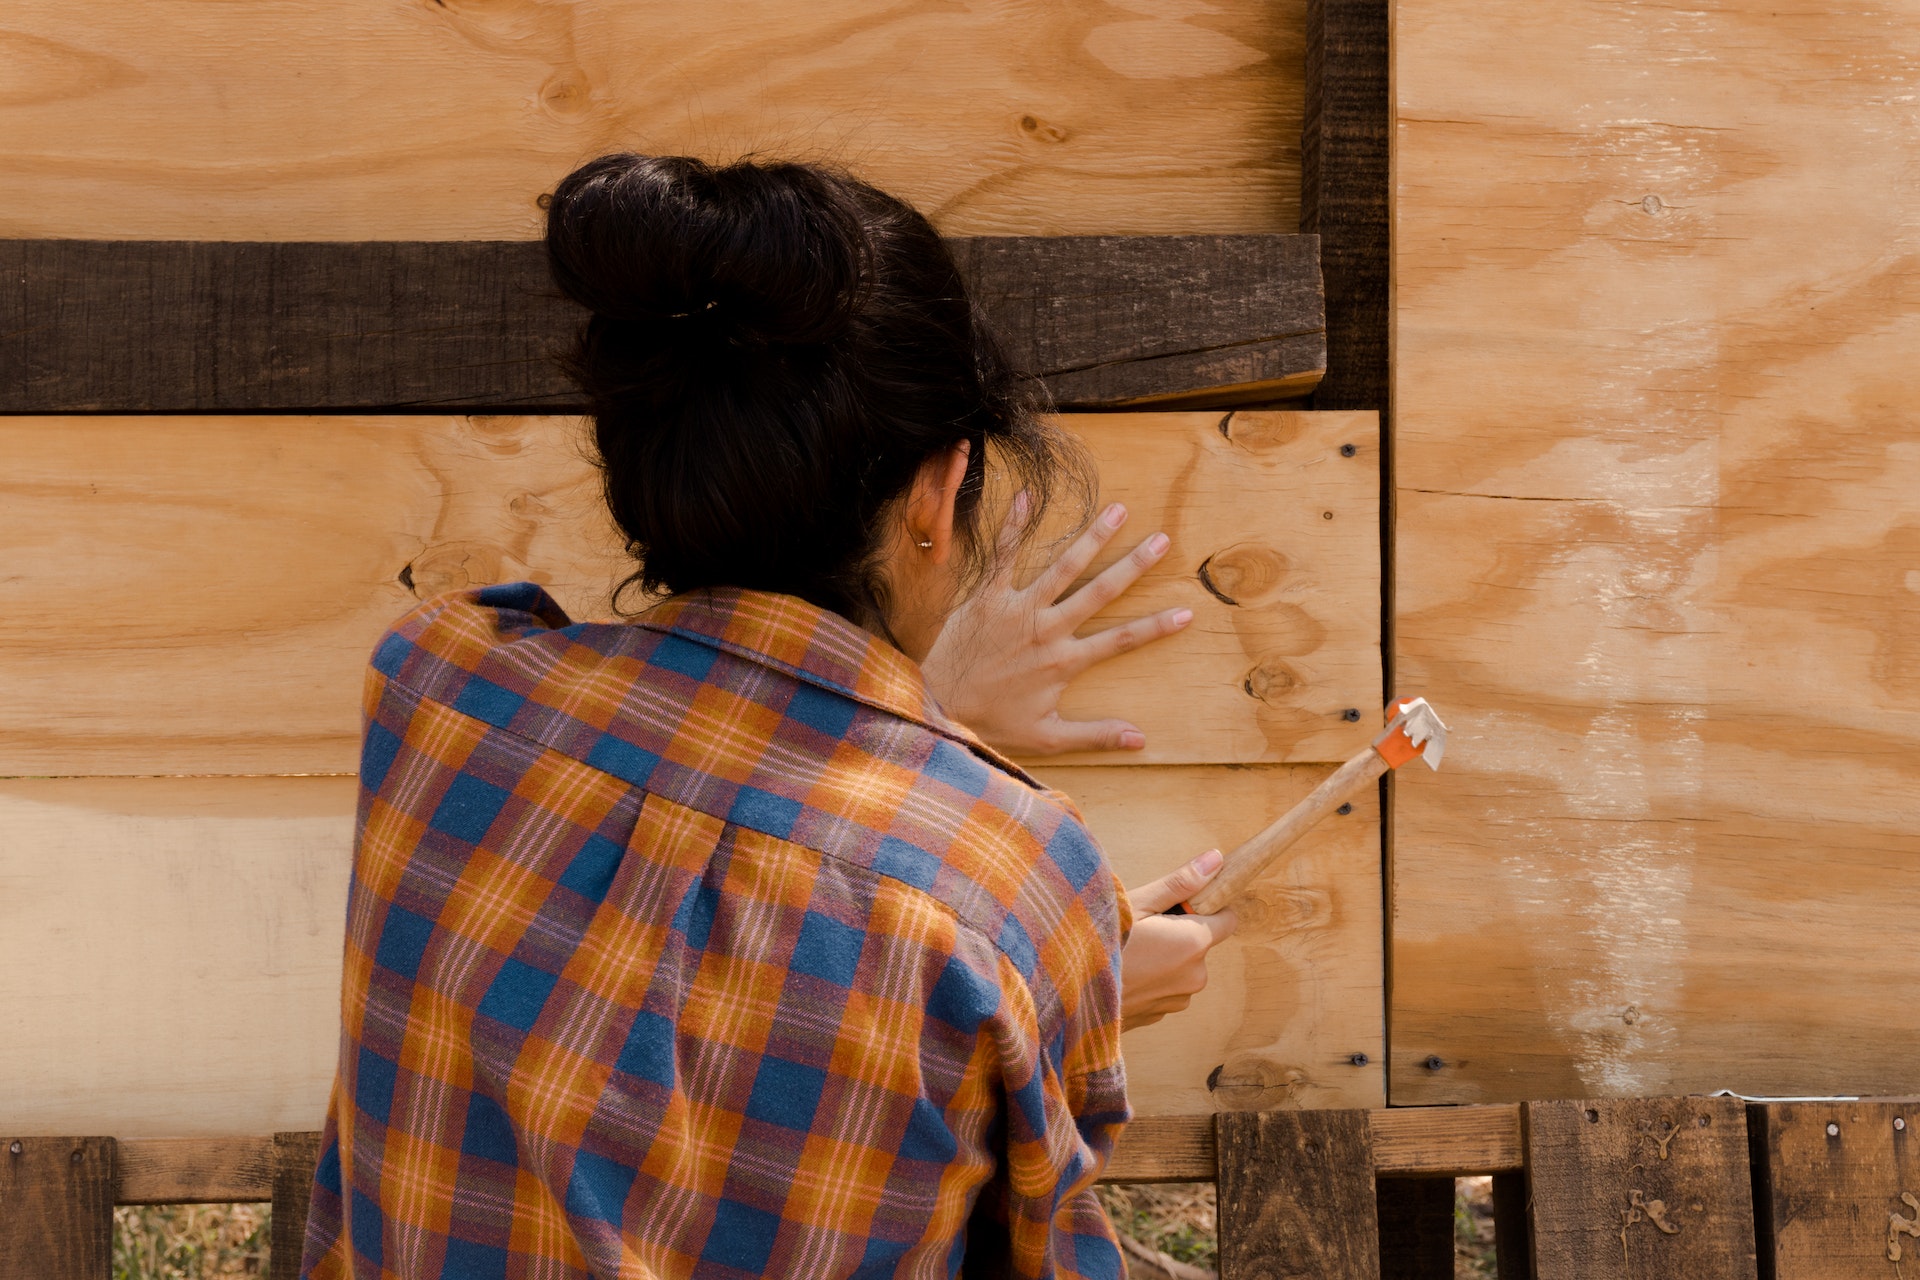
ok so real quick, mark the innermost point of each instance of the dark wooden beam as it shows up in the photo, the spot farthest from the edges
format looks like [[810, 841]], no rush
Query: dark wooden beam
[[56, 1208], [1640, 1189], [1344, 193], [1296, 1196], [191, 327]]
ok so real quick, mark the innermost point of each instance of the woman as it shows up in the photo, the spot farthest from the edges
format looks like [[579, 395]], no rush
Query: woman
[[708, 944]]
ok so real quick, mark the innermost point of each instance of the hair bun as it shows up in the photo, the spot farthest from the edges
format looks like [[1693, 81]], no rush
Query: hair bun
[[698, 255]]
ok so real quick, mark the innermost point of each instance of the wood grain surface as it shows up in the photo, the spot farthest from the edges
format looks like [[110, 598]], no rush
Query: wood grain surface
[[193, 1170], [1658, 529], [191, 327], [1292, 1015], [445, 119], [1344, 190], [1296, 1196], [173, 950], [215, 583], [294, 1157], [1839, 1183], [56, 1208], [1640, 1188]]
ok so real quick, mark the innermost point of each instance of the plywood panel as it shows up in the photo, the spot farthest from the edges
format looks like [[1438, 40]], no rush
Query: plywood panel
[[172, 951], [1658, 523], [198, 595], [1293, 1011], [172, 948], [445, 119]]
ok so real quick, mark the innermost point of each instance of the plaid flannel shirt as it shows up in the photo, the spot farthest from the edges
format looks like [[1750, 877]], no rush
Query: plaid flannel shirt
[[706, 945]]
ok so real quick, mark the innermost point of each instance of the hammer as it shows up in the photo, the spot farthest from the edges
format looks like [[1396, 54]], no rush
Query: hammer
[[1413, 729]]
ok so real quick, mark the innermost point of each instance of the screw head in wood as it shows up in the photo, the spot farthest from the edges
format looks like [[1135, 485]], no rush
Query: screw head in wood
[[1351, 715], [1434, 1062], [1344, 809], [15, 1148], [1326, 515], [1348, 450], [75, 1157], [1833, 1130], [1359, 1059]]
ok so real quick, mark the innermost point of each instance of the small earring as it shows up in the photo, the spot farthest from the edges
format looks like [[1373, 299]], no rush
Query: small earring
[[927, 545]]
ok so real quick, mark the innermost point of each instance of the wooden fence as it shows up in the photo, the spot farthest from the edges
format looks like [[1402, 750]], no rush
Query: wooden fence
[[1698, 1188]]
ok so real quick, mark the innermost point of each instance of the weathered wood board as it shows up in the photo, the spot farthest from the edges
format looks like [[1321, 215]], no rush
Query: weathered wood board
[[1293, 1014], [1658, 523], [1297, 1196], [1640, 1189], [170, 326], [445, 119], [172, 947], [56, 1208], [1839, 1188], [199, 595]]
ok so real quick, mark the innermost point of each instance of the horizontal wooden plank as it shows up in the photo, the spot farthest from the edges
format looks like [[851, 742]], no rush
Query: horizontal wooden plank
[[204, 915], [1447, 1142], [306, 120], [216, 583], [173, 950], [1407, 1142], [185, 327], [194, 1170], [1165, 1149], [1292, 1014]]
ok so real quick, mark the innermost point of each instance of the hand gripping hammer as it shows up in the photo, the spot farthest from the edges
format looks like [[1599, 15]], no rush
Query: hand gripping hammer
[[1413, 729]]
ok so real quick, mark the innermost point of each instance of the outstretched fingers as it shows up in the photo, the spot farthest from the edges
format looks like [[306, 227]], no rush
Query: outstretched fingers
[[1128, 636], [1113, 581], [1058, 576]]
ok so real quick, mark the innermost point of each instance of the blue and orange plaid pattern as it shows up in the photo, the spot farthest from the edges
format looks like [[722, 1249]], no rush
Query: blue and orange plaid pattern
[[704, 945]]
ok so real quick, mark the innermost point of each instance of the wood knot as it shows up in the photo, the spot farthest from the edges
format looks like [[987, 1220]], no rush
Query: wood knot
[[1270, 682], [1041, 131], [1242, 573]]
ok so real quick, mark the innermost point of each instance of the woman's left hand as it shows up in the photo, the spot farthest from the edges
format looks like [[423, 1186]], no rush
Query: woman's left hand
[[1007, 654]]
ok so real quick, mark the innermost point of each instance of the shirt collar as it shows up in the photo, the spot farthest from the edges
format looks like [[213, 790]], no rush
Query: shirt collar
[[818, 646]]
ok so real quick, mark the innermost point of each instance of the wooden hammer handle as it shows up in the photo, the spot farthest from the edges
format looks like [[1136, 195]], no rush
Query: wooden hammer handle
[[1257, 854]]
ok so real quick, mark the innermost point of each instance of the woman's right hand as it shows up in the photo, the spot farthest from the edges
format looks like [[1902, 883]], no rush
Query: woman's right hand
[[1164, 963]]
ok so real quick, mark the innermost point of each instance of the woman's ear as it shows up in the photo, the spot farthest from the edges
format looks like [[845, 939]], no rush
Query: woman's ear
[[936, 494]]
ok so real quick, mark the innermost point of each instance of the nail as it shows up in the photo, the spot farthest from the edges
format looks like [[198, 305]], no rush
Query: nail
[[1114, 516], [1132, 740], [1209, 862], [1157, 545], [1181, 617]]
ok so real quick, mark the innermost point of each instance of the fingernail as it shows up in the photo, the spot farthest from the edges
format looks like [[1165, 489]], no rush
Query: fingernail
[[1114, 516], [1181, 617], [1132, 740], [1158, 544], [1209, 862]]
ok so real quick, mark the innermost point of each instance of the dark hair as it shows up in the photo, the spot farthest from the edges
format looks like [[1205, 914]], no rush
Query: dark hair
[[774, 351]]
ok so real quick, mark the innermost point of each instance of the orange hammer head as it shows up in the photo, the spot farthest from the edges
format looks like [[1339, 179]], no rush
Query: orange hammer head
[[1413, 729]]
